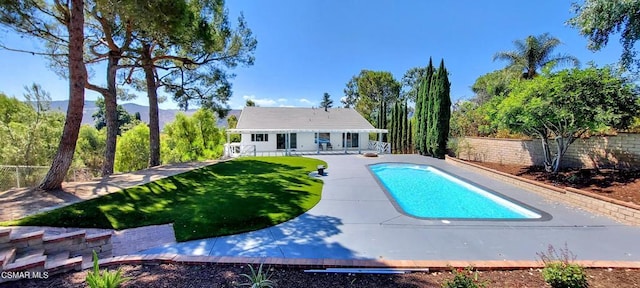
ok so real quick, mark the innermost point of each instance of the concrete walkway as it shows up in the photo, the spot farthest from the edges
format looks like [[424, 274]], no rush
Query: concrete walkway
[[17, 203], [356, 220]]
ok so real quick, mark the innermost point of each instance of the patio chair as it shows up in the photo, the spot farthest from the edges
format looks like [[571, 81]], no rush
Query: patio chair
[[329, 147]]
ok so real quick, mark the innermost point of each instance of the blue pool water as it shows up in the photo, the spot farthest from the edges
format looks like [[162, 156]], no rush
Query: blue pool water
[[426, 192]]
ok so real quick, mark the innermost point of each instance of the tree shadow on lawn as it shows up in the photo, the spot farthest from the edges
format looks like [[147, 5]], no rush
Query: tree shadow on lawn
[[212, 201]]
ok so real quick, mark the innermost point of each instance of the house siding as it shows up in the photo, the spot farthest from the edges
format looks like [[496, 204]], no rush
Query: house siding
[[305, 142]]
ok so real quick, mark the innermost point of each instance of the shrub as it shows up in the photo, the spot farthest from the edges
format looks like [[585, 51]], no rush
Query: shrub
[[132, 149], [462, 279], [560, 272], [104, 279], [258, 278]]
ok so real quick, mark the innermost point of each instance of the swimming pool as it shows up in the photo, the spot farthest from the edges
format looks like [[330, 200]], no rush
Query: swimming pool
[[423, 191]]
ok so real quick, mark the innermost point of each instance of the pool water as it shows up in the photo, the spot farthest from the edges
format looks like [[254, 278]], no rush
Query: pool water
[[426, 192]]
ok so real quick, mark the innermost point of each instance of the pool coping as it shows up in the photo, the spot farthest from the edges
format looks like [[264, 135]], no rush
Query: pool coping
[[544, 216], [621, 211], [432, 265]]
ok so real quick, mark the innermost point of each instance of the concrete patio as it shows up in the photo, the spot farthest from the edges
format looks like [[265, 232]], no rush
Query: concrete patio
[[356, 220]]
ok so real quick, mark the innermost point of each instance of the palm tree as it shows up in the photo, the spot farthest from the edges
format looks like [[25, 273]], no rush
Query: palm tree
[[533, 53]]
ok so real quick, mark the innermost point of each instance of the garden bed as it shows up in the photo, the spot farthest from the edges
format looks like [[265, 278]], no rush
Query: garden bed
[[622, 185], [214, 275]]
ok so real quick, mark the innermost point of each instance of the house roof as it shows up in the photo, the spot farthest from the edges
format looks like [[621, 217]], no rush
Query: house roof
[[286, 119]]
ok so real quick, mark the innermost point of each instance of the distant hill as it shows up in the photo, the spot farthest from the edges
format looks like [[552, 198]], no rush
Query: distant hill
[[165, 115]]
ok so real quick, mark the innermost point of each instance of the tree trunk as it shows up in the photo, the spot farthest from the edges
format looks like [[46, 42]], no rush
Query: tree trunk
[[77, 79], [152, 93], [558, 157], [111, 115], [563, 145], [547, 153]]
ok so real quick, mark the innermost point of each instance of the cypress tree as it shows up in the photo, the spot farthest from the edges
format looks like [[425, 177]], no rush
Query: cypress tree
[[398, 127], [445, 114], [398, 131], [434, 112], [426, 110], [384, 120], [418, 114], [394, 130], [405, 125], [428, 115], [409, 136], [440, 106], [379, 122]]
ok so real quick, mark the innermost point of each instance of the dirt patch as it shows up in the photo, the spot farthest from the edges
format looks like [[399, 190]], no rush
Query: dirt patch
[[215, 275], [623, 185]]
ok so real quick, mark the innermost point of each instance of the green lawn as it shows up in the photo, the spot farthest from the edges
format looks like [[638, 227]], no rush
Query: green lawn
[[226, 198]]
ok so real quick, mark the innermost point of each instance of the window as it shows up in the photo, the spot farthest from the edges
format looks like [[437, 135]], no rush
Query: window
[[259, 137], [324, 137], [352, 139], [281, 141]]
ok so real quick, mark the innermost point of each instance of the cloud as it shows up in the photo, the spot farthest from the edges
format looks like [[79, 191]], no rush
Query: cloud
[[305, 101], [282, 100], [283, 105], [260, 101]]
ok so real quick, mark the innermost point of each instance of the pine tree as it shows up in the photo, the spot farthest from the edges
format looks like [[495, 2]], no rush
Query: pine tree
[[326, 101]]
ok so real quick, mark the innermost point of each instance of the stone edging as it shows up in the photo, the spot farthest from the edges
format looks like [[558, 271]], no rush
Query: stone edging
[[432, 265], [621, 211]]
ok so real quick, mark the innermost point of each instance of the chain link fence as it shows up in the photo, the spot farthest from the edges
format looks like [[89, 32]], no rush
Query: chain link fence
[[12, 176]]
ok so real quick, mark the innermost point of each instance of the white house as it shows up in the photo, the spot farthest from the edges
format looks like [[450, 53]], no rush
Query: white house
[[302, 130]]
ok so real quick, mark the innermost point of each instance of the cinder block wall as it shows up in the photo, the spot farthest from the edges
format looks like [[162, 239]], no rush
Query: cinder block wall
[[621, 151]]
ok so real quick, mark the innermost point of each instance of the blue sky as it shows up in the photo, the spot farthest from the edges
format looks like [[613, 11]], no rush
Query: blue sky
[[306, 48]]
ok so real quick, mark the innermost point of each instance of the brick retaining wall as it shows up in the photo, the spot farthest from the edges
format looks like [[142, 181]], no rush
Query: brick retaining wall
[[621, 151]]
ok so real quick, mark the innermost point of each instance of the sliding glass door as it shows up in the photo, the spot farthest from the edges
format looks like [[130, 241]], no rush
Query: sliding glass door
[[281, 141]]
